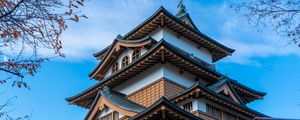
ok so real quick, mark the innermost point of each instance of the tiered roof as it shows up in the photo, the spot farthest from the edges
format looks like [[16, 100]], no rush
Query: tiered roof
[[161, 52]]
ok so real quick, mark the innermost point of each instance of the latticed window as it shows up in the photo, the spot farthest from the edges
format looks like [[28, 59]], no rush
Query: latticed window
[[115, 67], [136, 53], [214, 112], [188, 107], [111, 116], [125, 61], [228, 116]]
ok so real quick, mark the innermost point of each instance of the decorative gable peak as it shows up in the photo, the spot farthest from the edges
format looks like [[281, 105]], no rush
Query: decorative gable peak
[[182, 10], [184, 16], [223, 87], [119, 37]]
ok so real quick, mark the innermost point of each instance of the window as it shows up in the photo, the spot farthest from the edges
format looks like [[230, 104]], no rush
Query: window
[[228, 116], [219, 114], [111, 116], [136, 54], [188, 107], [115, 67], [125, 61], [214, 112], [116, 115]]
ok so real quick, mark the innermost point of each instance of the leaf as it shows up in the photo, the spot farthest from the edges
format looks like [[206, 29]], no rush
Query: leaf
[[15, 34], [76, 18]]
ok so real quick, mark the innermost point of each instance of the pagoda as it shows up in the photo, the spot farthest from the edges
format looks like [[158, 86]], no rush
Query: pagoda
[[164, 69]]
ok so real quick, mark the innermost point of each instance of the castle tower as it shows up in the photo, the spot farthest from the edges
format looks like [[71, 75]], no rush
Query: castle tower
[[164, 69]]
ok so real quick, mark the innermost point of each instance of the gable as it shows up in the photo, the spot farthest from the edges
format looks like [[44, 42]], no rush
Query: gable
[[108, 101], [117, 47], [229, 93], [187, 20]]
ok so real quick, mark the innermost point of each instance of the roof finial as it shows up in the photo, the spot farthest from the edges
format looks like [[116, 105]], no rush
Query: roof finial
[[119, 37], [181, 7]]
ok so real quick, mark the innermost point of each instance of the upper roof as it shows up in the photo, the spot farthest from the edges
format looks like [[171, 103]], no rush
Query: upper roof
[[115, 47], [162, 18]]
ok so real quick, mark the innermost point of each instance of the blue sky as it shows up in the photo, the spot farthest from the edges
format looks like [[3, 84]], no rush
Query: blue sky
[[261, 61]]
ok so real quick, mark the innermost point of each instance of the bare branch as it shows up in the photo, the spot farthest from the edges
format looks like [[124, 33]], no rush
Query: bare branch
[[281, 16]]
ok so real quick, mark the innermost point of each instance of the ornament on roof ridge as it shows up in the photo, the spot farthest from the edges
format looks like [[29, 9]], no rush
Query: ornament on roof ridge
[[182, 9], [119, 37]]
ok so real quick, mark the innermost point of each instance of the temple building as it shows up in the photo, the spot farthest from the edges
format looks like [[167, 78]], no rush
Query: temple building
[[164, 69]]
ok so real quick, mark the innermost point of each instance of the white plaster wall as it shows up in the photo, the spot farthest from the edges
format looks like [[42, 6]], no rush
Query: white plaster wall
[[157, 35], [172, 73], [182, 43], [141, 80], [154, 73], [198, 104], [186, 45]]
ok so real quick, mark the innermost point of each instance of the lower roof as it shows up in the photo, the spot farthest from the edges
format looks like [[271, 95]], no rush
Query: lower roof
[[221, 99], [163, 104]]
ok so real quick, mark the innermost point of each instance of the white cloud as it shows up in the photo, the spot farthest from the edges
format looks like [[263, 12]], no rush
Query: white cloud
[[106, 20], [246, 52]]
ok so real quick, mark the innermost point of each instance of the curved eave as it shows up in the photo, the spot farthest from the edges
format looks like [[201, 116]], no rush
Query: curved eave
[[101, 52], [247, 88], [124, 43], [162, 10], [115, 101]]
